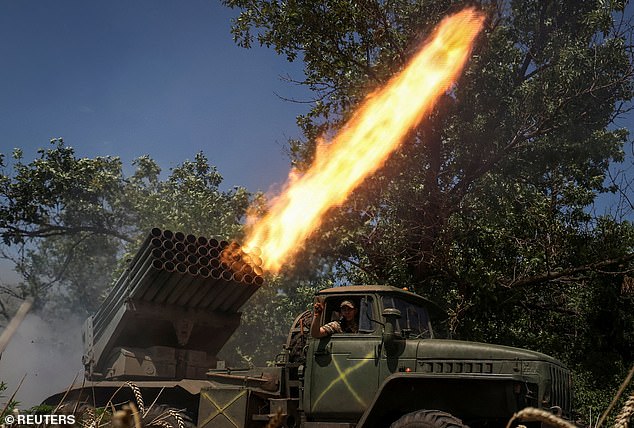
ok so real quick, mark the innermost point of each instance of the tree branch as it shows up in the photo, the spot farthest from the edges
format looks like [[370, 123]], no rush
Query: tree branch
[[550, 276], [548, 308], [45, 231]]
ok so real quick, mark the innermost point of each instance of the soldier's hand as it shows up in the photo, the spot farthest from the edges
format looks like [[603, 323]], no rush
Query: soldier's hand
[[318, 307]]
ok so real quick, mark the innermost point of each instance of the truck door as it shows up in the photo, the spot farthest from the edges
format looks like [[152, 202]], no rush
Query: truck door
[[414, 322], [342, 369]]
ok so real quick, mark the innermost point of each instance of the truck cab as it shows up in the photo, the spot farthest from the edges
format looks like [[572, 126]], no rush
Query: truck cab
[[394, 372], [349, 368], [395, 365]]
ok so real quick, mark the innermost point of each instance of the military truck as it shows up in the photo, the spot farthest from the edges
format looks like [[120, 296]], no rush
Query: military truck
[[162, 327]]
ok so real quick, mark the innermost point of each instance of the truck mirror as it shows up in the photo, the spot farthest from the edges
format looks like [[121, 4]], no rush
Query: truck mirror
[[390, 315]]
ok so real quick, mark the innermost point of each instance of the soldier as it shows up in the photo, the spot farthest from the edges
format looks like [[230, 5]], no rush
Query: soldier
[[346, 324]]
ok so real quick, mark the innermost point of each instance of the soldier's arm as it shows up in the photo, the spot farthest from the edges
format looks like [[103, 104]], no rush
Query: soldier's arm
[[316, 330]]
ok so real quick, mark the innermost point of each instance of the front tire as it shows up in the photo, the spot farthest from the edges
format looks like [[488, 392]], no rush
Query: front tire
[[428, 419]]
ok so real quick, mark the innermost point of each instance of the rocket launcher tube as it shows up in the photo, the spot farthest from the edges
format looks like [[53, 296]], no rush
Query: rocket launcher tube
[[162, 283]]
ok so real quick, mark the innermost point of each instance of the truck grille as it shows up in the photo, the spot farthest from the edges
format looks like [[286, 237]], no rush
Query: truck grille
[[477, 367], [560, 388]]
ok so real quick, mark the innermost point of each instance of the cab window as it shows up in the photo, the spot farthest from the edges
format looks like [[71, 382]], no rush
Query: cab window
[[414, 318], [365, 313]]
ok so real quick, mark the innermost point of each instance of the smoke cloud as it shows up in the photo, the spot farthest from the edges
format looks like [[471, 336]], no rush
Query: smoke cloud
[[48, 353]]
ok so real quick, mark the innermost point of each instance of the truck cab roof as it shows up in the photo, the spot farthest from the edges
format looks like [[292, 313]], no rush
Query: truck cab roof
[[434, 310]]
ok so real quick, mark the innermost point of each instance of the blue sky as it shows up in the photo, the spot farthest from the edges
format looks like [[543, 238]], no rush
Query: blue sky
[[129, 78], [156, 77]]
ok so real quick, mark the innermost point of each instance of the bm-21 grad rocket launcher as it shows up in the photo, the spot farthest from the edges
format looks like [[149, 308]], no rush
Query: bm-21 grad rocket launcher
[[172, 309], [158, 332], [157, 335]]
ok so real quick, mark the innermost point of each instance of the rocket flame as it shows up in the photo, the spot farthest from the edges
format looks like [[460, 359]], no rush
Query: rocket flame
[[365, 142]]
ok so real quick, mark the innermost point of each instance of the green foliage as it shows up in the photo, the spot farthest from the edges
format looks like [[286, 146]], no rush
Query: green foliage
[[189, 199], [58, 193], [67, 221], [6, 407], [41, 409]]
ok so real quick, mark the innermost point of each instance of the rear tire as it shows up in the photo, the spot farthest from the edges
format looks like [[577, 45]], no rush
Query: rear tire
[[428, 419]]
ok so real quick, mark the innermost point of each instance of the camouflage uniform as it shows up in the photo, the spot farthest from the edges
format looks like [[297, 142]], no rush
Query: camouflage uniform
[[341, 326]]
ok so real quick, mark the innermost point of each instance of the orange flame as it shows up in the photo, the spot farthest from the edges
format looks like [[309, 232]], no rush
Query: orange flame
[[365, 142]]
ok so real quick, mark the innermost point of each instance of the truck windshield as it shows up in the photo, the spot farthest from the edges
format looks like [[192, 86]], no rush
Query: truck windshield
[[414, 318]]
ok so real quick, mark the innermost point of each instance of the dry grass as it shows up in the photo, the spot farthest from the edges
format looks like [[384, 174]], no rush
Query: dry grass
[[624, 418], [616, 398], [138, 397], [134, 414], [531, 414]]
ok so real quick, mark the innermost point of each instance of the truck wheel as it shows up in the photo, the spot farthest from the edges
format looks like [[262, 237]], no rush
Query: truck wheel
[[428, 419]]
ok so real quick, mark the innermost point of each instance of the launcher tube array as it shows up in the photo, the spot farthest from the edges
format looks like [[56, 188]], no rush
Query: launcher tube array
[[179, 270]]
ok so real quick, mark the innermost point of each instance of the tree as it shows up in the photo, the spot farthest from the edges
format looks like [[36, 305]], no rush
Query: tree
[[70, 223], [487, 207]]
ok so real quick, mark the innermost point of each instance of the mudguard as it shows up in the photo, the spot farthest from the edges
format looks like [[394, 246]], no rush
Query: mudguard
[[472, 397]]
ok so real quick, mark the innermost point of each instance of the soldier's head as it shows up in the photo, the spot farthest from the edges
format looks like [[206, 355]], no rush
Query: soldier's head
[[348, 310]]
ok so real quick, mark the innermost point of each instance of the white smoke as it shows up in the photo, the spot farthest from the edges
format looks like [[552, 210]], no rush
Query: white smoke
[[48, 353]]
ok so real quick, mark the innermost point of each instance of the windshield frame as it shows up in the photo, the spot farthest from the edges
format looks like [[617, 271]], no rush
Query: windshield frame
[[410, 312]]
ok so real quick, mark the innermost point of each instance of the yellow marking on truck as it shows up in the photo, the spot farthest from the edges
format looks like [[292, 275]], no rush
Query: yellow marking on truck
[[343, 377], [220, 410]]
